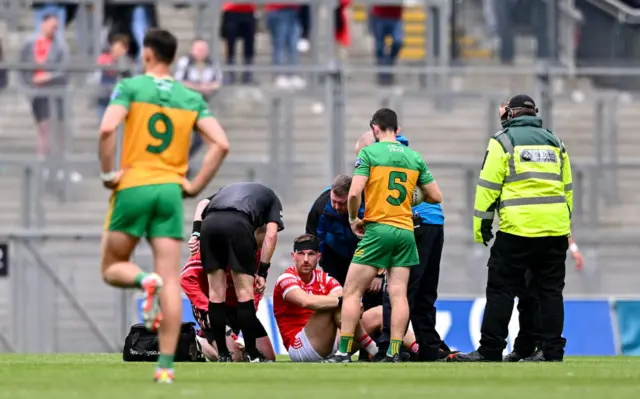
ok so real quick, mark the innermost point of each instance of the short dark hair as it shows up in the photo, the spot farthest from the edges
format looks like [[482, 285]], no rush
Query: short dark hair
[[305, 237], [386, 119], [49, 16], [341, 185], [120, 38], [523, 112], [163, 44]]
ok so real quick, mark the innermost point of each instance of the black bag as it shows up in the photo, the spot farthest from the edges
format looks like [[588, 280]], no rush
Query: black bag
[[141, 345]]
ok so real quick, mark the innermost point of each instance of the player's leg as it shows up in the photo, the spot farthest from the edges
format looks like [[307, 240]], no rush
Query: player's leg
[[127, 219], [242, 264], [214, 252], [371, 254], [405, 256], [166, 233], [202, 318], [372, 324]]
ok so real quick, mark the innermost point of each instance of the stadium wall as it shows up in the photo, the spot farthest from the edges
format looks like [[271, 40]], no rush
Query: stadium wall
[[593, 327]]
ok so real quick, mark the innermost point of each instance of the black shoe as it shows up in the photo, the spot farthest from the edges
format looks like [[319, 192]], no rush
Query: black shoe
[[397, 358], [378, 357], [513, 357], [363, 356], [337, 358], [225, 359], [537, 356], [257, 357], [474, 356]]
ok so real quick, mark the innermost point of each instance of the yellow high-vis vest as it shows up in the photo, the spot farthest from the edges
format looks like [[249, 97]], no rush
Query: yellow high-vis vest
[[526, 178]]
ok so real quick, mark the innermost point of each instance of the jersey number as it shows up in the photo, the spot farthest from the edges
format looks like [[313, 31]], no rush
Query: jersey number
[[395, 184], [165, 135]]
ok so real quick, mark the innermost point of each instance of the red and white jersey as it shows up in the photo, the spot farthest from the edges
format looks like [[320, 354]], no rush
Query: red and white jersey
[[195, 285], [291, 319]]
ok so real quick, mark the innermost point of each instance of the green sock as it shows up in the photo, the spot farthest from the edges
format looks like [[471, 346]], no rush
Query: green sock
[[165, 361], [346, 341], [138, 280], [394, 347]]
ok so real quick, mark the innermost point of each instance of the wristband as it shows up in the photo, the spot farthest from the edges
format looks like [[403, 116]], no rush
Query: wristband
[[263, 269], [573, 247], [107, 176], [197, 224], [339, 302]]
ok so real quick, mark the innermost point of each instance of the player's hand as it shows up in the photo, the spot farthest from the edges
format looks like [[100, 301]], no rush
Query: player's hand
[[577, 257], [375, 285], [358, 228], [113, 183], [41, 78], [194, 245], [188, 191], [260, 284]]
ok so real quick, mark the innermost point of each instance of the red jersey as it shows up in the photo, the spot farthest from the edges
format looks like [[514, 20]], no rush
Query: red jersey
[[239, 7], [195, 285], [280, 6], [291, 319], [391, 12]]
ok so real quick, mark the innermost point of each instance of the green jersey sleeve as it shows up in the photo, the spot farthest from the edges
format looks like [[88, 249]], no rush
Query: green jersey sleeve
[[203, 110], [363, 164], [425, 176], [121, 94]]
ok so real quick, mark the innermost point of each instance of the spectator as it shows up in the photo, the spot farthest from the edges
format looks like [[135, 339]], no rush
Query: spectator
[[42, 10], [4, 78], [239, 22], [305, 25], [47, 48], [199, 73], [284, 27], [107, 79], [386, 21], [343, 36]]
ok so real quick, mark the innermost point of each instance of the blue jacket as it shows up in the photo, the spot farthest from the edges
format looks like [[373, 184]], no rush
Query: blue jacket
[[332, 228], [429, 213]]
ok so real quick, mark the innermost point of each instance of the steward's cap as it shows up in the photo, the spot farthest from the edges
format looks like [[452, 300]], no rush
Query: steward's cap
[[522, 101]]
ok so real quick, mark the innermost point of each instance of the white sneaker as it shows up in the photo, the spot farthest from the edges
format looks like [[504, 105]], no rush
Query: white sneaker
[[303, 45], [297, 82], [283, 82]]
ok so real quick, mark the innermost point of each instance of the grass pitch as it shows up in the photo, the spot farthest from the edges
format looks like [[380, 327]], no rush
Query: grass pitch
[[106, 376]]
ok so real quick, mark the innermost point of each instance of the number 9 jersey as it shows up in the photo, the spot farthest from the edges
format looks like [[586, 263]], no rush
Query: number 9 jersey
[[157, 132]]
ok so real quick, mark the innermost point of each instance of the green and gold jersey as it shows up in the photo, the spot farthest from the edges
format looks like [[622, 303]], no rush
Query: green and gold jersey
[[157, 131], [394, 170]]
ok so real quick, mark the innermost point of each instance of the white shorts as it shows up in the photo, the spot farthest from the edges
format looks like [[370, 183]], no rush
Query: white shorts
[[302, 351]]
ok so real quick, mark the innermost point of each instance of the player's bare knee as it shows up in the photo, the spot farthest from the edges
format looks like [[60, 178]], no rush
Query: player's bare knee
[[243, 286]]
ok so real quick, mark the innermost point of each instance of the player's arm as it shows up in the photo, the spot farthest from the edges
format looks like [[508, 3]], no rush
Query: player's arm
[[428, 185], [358, 183], [489, 188], [114, 115], [274, 225], [334, 287], [218, 148], [298, 297]]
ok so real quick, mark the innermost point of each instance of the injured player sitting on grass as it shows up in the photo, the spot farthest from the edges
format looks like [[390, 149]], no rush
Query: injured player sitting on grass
[[306, 305], [195, 285]]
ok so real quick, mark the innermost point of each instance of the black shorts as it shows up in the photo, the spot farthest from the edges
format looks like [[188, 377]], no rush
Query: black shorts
[[41, 108], [227, 239], [202, 318]]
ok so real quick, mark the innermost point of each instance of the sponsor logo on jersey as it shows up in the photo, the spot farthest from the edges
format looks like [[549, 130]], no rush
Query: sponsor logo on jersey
[[115, 93], [358, 162]]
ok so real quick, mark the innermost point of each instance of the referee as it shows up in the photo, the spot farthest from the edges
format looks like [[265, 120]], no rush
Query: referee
[[227, 238], [526, 178]]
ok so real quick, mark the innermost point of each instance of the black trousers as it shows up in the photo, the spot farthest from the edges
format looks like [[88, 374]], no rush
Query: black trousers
[[236, 26], [422, 293], [528, 338], [511, 257]]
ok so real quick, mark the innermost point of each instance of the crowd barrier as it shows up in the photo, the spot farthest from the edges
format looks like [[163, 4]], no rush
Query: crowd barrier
[[593, 327]]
